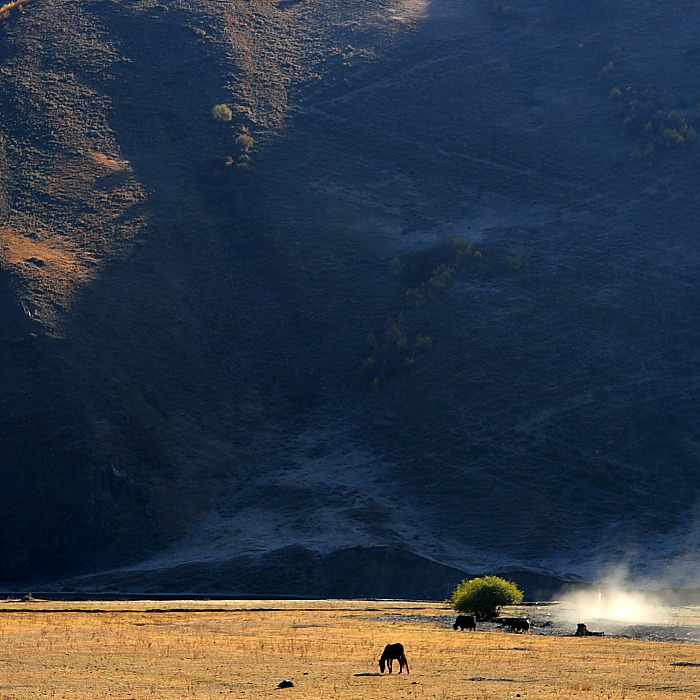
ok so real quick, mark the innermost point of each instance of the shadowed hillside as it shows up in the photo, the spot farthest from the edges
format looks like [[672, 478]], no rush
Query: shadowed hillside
[[312, 299]]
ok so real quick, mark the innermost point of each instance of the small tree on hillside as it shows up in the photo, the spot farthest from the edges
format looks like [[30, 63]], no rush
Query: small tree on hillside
[[222, 113], [485, 595]]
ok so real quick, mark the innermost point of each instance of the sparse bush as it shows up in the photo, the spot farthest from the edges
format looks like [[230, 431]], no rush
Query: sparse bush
[[415, 297], [485, 595], [441, 278], [222, 113], [245, 142], [425, 273], [646, 118], [516, 263], [500, 8], [391, 351]]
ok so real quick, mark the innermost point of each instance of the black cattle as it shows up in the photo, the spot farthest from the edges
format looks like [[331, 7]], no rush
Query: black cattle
[[465, 622], [516, 624], [393, 652], [583, 631]]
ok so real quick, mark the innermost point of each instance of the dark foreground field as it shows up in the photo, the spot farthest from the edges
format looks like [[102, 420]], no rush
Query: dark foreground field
[[243, 649]]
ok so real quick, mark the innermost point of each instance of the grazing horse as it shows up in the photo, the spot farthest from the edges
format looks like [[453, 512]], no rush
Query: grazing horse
[[391, 652], [465, 622]]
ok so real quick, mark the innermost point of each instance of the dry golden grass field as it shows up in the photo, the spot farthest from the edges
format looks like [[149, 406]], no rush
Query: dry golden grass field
[[243, 649]]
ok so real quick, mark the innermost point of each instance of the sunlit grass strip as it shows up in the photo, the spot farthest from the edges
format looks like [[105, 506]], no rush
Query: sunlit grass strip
[[206, 650]]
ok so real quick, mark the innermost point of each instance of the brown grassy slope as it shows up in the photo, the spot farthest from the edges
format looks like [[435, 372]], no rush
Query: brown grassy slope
[[68, 189], [74, 204], [139, 282], [326, 648]]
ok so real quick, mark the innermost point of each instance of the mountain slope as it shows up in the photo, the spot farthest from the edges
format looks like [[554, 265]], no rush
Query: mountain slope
[[412, 312]]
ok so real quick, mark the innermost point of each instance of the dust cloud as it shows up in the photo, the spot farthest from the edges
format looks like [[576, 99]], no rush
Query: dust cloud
[[647, 584], [612, 599]]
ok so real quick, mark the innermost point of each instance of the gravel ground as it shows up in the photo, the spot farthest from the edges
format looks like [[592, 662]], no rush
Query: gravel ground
[[551, 624]]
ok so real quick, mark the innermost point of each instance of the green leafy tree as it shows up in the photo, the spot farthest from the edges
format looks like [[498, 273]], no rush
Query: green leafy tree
[[485, 595]]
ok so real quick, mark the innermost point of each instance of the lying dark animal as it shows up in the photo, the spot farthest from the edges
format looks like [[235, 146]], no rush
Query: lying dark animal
[[465, 622], [583, 631], [393, 652], [516, 624]]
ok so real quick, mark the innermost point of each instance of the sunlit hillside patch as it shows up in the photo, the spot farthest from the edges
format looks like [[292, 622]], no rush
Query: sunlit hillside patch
[[46, 258], [8, 7]]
